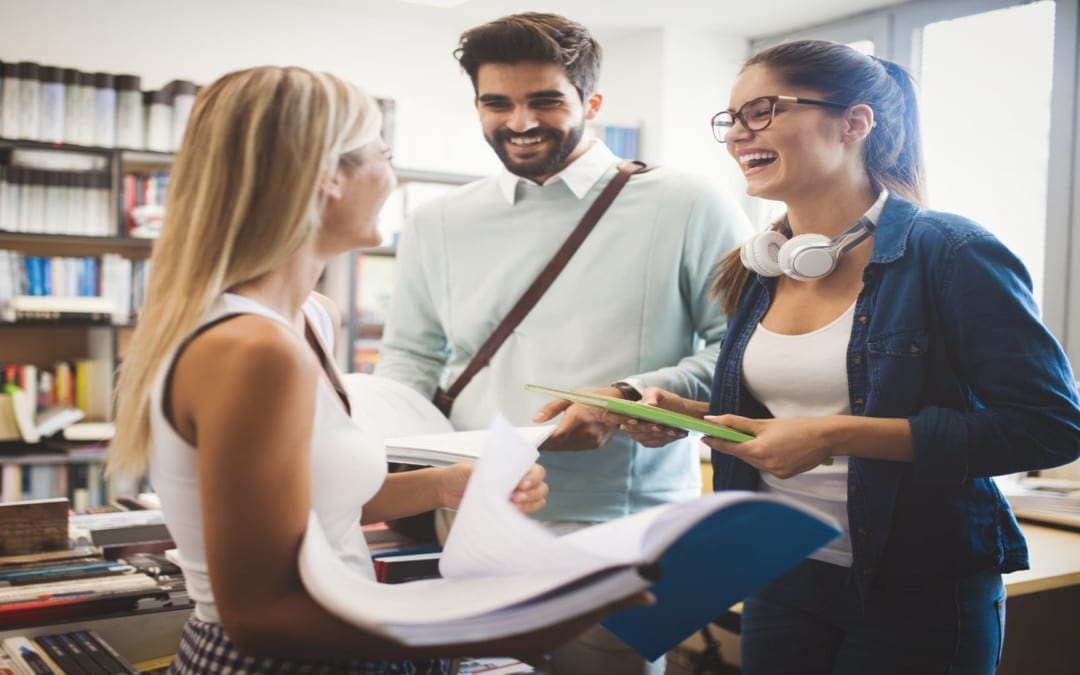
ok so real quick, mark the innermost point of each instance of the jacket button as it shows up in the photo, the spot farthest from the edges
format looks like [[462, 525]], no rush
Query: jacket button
[[914, 348], [859, 401], [853, 488], [861, 531], [857, 360], [864, 319]]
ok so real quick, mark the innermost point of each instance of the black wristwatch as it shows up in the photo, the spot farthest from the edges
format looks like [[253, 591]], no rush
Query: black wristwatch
[[628, 391]]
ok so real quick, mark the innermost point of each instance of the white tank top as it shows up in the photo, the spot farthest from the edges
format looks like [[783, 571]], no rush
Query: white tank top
[[806, 376], [348, 465]]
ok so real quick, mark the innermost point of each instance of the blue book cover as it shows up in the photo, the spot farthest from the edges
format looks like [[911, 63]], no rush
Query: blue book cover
[[715, 564]]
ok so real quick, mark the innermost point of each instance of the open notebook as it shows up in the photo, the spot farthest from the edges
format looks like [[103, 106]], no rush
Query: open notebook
[[504, 574], [416, 432]]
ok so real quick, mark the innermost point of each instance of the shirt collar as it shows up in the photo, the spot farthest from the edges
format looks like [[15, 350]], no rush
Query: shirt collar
[[579, 176]]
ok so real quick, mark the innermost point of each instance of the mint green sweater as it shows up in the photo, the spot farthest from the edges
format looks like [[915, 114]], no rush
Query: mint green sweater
[[633, 302]]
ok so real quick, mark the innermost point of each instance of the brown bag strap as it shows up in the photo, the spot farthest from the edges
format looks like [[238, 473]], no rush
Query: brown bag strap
[[535, 291]]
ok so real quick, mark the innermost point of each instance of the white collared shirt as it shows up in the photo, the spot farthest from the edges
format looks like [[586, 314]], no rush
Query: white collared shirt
[[579, 176]]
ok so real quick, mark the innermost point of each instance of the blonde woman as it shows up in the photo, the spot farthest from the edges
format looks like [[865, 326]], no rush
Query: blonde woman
[[230, 395]]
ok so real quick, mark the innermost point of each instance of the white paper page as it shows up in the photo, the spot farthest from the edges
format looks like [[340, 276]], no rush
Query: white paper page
[[392, 408], [519, 619], [466, 445], [620, 539], [362, 601], [673, 521], [490, 536]]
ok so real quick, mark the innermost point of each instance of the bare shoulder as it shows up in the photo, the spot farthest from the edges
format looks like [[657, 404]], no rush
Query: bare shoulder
[[246, 362], [246, 343]]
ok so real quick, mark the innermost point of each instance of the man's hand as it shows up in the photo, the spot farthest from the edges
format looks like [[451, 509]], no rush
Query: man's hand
[[653, 435], [582, 427], [529, 496]]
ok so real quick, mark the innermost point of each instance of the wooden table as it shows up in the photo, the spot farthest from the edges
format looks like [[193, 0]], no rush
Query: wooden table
[[1055, 561]]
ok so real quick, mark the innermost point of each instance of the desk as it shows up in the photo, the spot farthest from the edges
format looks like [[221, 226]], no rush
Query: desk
[[1055, 561], [1043, 606]]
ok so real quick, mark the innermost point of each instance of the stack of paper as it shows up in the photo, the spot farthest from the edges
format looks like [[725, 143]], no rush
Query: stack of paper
[[504, 574], [1045, 499], [416, 432], [453, 447]]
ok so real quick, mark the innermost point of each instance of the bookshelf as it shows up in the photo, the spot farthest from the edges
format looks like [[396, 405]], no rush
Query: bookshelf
[[367, 290], [46, 219]]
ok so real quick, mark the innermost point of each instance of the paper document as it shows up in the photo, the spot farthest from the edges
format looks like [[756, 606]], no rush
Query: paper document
[[417, 432], [392, 408], [453, 447], [505, 574]]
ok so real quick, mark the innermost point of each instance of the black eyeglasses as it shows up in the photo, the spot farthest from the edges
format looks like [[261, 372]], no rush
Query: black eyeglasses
[[757, 114]]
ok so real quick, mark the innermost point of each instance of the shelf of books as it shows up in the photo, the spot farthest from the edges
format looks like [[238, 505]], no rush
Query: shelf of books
[[77, 224], [371, 271]]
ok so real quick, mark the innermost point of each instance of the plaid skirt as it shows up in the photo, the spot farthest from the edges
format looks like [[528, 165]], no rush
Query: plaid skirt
[[204, 648]]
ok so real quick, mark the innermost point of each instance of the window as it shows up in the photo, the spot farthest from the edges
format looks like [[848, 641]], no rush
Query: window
[[986, 122]]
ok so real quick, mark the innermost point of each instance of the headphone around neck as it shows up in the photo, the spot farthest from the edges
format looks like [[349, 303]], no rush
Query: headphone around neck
[[804, 257]]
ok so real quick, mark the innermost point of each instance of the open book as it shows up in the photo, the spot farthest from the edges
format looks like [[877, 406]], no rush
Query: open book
[[18, 419], [453, 447], [416, 432], [504, 574]]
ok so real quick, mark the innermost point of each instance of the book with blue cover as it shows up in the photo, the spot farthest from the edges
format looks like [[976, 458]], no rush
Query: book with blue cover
[[505, 574]]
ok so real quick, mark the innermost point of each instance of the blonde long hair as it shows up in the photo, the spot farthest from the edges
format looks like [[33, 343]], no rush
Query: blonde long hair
[[243, 198]]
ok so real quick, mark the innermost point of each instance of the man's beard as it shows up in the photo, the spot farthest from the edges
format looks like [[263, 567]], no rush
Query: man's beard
[[548, 163]]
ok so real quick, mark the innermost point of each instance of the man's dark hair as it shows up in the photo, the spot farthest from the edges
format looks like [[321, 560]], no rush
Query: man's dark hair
[[547, 38]]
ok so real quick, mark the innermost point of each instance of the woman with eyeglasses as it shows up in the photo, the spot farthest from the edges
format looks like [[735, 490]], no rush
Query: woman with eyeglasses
[[889, 361]]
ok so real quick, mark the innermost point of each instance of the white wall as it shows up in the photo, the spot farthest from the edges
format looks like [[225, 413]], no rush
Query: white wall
[[670, 82]]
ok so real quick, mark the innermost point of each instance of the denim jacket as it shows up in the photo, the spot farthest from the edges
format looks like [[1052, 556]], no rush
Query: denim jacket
[[947, 335]]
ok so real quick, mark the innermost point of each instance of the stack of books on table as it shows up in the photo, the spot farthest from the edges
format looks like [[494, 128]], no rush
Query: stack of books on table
[[53, 589], [55, 567], [1050, 500]]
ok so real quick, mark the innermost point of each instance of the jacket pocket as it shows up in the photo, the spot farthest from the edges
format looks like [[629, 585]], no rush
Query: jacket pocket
[[896, 368]]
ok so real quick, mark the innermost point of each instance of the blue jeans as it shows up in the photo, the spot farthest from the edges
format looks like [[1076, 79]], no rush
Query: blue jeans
[[810, 621]]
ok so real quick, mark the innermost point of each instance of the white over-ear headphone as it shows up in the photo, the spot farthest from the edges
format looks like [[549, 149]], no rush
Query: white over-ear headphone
[[804, 257]]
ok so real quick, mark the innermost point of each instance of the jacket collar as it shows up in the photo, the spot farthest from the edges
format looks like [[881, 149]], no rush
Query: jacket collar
[[893, 229]]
